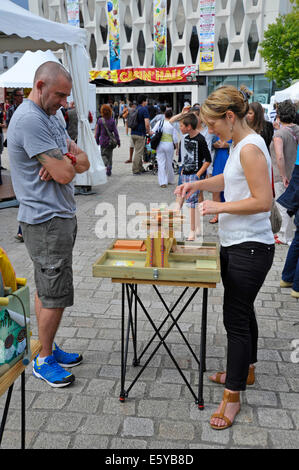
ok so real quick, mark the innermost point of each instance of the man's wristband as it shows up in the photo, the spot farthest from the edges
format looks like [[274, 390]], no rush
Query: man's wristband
[[71, 157]]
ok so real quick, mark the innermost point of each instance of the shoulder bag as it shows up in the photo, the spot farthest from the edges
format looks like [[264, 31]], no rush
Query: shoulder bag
[[112, 140], [155, 140]]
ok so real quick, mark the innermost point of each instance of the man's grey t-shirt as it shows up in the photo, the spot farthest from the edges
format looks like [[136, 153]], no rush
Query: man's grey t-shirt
[[31, 132]]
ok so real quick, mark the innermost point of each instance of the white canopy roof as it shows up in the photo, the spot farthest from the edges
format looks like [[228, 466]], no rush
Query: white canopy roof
[[21, 75], [290, 93], [21, 30]]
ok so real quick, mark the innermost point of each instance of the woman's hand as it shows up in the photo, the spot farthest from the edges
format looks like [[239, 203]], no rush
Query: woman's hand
[[210, 207], [185, 190]]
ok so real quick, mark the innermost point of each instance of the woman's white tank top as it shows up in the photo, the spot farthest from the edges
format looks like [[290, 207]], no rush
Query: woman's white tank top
[[235, 229]]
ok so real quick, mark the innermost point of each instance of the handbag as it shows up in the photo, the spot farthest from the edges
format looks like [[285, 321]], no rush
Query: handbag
[[155, 140], [112, 140], [275, 216]]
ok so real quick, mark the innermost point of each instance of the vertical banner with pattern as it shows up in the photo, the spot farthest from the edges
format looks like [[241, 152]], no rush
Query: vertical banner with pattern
[[207, 35], [73, 13], [113, 24], [160, 33]]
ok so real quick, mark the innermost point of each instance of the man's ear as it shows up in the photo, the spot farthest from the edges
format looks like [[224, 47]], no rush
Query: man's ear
[[39, 85]]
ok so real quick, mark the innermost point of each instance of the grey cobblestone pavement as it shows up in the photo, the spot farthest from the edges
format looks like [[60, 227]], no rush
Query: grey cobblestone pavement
[[160, 412]]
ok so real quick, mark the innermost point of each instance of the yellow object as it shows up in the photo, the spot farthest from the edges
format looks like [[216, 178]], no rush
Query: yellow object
[[8, 273], [21, 281], [4, 301]]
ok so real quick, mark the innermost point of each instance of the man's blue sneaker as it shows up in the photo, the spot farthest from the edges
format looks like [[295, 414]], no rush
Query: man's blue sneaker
[[65, 359], [52, 373]]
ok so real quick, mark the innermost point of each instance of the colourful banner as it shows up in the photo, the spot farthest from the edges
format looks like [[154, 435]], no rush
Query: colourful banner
[[113, 24], [207, 35], [73, 13], [154, 75], [160, 33]]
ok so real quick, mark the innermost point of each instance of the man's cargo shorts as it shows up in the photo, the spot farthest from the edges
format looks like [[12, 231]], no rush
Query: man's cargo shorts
[[50, 246]]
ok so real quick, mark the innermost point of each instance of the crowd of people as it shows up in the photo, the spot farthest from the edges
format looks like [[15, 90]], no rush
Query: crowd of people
[[223, 147], [208, 155]]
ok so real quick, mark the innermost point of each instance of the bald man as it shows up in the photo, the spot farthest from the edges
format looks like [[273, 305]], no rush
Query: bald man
[[43, 163]]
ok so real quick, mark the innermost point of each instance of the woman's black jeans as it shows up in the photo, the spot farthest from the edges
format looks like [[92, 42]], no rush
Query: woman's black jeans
[[244, 268]]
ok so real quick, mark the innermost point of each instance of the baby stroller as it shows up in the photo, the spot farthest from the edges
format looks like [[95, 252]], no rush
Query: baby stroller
[[152, 164], [176, 167], [149, 157]]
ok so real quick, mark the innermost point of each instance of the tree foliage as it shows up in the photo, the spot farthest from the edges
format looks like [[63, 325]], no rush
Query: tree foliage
[[280, 48]]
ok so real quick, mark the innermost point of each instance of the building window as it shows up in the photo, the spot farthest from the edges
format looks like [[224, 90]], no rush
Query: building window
[[103, 26], [180, 20], [128, 24], [180, 59], [140, 6], [81, 20], [93, 51], [45, 8], [253, 40], [238, 16], [15, 60], [260, 86], [5, 62], [230, 80], [141, 47], [237, 56], [262, 89], [247, 80], [169, 46], [213, 83], [222, 43], [194, 44], [105, 62]]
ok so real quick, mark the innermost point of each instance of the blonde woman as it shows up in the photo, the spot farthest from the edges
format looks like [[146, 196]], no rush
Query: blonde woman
[[247, 242]]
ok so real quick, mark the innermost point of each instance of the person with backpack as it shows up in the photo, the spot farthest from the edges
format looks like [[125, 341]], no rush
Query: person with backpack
[[107, 136], [139, 123]]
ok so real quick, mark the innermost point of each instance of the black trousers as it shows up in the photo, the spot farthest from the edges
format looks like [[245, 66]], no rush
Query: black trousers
[[244, 268]]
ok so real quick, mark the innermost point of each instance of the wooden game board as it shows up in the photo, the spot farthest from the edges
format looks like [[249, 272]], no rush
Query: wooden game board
[[196, 263]]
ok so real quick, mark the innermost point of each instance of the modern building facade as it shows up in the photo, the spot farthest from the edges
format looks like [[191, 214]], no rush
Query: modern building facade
[[8, 59], [239, 29]]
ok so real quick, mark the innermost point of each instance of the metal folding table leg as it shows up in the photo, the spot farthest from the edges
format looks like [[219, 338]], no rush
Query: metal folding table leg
[[202, 357], [23, 411], [124, 393], [5, 411], [125, 340]]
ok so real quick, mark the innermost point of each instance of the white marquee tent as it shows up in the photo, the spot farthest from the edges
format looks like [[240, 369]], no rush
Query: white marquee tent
[[21, 74], [21, 30], [290, 93]]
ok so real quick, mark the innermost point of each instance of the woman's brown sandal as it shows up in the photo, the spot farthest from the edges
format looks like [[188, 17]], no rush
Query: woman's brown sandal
[[250, 377], [228, 397]]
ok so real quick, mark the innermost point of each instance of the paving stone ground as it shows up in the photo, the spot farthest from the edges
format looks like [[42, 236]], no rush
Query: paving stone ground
[[160, 412]]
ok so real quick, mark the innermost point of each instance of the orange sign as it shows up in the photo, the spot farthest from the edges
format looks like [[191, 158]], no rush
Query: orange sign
[[154, 75]]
